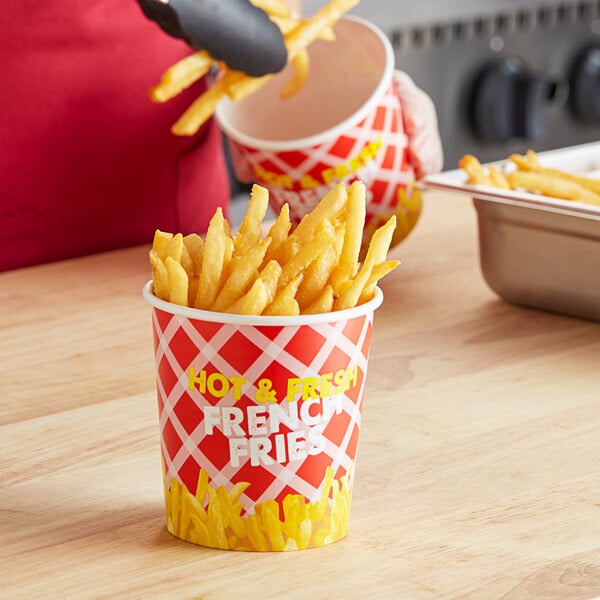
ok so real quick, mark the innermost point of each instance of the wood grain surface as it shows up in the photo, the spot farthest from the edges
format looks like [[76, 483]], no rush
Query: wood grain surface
[[477, 475]]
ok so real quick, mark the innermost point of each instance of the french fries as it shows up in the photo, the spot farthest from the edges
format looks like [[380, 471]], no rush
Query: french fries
[[313, 268], [301, 64], [181, 75], [530, 163], [298, 34], [532, 176], [212, 516]]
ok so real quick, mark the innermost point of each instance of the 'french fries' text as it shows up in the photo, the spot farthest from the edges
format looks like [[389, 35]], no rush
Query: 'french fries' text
[[255, 431]]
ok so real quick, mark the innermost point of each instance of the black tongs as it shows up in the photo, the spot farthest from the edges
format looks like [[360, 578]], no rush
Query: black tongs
[[233, 31]]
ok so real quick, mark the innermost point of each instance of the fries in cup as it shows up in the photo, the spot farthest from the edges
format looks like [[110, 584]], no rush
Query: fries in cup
[[260, 393], [315, 267]]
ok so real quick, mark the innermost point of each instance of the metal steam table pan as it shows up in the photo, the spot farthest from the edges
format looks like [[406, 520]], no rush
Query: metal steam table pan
[[534, 250]]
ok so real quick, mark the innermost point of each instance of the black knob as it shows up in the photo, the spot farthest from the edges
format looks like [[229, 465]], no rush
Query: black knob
[[584, 94], [508, 101]]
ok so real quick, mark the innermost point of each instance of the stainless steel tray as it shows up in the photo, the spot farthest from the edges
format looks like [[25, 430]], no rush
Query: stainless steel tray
[[537, 251]]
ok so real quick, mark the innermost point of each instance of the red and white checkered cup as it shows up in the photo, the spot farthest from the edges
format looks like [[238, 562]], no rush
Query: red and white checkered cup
[[259, 423], [345, 123]]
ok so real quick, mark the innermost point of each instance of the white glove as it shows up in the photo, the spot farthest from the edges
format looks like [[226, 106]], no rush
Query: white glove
[[421, 125]]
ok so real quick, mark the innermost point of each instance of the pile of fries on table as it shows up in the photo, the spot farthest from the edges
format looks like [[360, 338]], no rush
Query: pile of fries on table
[[532, 176], [298, 34], [315, 268]]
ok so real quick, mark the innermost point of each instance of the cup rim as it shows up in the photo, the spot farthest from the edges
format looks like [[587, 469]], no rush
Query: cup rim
[[261, 320], [333, 132]]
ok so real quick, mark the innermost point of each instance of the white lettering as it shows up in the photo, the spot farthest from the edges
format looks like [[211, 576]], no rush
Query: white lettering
[[212, 417], [296, 445], [257, 419], [331, 405], [317, 441], [259, 451], [280, 453], [279, 416], [305, 412], [232, 417], [237, 447]]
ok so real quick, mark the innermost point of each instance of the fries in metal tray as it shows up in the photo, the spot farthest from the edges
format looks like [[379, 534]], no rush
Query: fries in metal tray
[[527, 173]]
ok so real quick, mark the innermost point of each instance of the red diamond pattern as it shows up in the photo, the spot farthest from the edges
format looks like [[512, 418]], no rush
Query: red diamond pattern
[[379, 119], [188, 413], [342, 147], [188, 350], [206, 329], [239, 351], [261, 352], [314, 170], [168, 378], [305, 344]]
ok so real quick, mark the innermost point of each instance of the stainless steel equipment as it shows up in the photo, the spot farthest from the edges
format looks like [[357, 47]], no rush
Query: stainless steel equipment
[[537, 251], [505, 75]]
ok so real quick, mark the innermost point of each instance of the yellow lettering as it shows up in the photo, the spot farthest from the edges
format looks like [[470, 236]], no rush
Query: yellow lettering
[[294, 386], [237, 382], [340, 381], [309, 388], [327, 175], [260, 172], [351, 377], [341, 171], [217, 385], [308, 182], [354, 164], [277, 179], [326, 387], [285, 181], [194, 380], [366, 154]]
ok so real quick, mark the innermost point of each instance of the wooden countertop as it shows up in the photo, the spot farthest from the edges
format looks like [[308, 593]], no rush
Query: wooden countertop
[[477, 474]]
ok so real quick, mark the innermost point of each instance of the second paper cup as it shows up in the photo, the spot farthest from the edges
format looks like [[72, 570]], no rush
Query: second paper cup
[[345, 123]]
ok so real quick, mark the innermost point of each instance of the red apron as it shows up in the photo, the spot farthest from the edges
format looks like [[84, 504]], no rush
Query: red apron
[[87, 161]]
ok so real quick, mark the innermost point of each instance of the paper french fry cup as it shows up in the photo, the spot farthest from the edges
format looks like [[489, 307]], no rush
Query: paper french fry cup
[[259, 423], [345, 123]]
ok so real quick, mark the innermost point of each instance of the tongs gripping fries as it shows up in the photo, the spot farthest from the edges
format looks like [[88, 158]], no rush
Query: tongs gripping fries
[[233, 31], [237, 80]]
